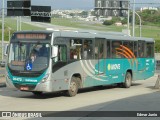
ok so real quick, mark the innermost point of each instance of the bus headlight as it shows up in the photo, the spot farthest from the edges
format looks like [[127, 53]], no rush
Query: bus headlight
[[45, 78]]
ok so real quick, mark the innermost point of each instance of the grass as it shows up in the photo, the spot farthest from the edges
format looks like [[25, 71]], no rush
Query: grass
[[147, 31], [12, 24]]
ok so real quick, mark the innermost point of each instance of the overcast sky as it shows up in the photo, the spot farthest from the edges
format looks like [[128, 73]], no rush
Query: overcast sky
[[73, 4]]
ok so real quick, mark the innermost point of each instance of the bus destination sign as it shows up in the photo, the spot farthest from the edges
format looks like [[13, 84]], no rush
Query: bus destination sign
[[31, 36]]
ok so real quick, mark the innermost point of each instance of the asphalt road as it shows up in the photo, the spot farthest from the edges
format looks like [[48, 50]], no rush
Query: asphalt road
[[46, 25], [140, 97], [87, 99], [2, 72]]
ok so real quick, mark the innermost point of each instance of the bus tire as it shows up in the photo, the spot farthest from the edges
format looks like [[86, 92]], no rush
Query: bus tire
[[73, 89], [128, 80], [37, 93]]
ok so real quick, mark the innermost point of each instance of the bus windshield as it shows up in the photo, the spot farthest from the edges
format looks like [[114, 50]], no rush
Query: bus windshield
[[29, 56]]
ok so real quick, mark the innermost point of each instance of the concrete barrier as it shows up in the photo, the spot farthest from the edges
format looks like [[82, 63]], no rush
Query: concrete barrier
[[157, 85]]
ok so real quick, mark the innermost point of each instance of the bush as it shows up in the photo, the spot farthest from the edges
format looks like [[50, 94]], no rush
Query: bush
[[157, 46], [111, 22], [108, 22], [124, 21]]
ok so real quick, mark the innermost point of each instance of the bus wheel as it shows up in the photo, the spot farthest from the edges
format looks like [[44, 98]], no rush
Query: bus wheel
[[37, 93], [128, 80], [73, 89]]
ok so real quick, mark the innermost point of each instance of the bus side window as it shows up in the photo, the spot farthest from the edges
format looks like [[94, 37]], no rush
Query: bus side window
[[75, 49], [108, 49], [116, 53], [135, 49], [87, 49], [62, 53], [130, 48], [141, 51], [149, 50], [99, 49]]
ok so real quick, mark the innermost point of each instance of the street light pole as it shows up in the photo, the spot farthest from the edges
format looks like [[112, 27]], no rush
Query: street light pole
[[140, 24], [9, 33], [20, 23], [17, 23], [133, 19], [128, 18], [2, 27]]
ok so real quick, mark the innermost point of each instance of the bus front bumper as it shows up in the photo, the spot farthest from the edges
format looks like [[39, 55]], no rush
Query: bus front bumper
[[42, 86]]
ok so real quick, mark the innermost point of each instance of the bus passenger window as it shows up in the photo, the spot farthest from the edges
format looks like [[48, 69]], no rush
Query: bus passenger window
[[87, 49], [135, 49], [116, 49], [150, 50], [108, 49], [99, 49], [62, 53], [129, 48], [75, 49], [141, 47]]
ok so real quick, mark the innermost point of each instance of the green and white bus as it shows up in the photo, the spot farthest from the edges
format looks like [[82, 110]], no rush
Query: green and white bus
[[48, 61]]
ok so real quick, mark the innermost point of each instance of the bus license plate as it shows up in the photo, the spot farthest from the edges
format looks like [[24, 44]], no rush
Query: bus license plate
[[24, 88]]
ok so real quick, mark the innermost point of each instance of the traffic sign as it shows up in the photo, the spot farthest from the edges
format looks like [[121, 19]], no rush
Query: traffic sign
[[18, 7], [111, 7], [41, 14]]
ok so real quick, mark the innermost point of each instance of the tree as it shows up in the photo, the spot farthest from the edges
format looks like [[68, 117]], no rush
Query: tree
[[124, 21]]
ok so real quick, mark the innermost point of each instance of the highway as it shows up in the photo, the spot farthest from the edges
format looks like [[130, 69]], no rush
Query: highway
[[46, 25], [2, 72]]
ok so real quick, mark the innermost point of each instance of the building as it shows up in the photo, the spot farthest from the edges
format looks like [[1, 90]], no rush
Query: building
[[149, 8], [111, 7]]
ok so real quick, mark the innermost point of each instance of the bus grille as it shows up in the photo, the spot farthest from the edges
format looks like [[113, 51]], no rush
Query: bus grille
[[26, 74]]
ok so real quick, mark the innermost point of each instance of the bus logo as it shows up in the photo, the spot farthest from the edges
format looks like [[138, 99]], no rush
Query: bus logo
[[127, 53], [114, 66]]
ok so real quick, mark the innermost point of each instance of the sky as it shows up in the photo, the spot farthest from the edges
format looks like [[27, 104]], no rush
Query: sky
[[73, 4], [67, 4], [76, 4]]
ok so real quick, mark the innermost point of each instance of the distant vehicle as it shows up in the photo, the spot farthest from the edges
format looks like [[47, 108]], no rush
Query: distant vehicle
[[47, 61], [2, 63]]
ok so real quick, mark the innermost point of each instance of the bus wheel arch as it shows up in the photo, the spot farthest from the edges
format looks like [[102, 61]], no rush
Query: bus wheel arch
[[128, 79], [73, 87], [78, 79]]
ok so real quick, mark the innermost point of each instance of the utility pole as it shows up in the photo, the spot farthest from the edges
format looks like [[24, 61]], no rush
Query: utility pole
[[133, 19], [20, 23], [128, 18], [2, 27], [140, 24], [17, 23]]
